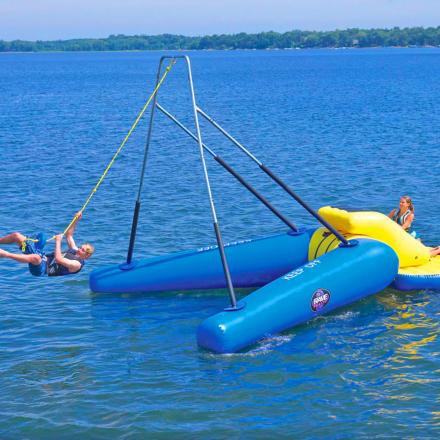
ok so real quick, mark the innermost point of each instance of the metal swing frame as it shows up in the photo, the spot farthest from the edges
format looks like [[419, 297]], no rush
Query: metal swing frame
[[129, 264]]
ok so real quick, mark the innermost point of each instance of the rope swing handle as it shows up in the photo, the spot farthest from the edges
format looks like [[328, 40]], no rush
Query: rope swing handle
[[141, 113]]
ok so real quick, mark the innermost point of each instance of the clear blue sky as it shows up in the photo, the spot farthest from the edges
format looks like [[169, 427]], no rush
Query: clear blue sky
[[53, 19]]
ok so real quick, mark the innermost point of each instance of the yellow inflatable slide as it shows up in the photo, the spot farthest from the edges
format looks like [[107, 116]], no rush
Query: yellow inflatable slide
[[417, 270]]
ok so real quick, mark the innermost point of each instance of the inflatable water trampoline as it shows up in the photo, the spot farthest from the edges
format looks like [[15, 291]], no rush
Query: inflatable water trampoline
[[299, 274]]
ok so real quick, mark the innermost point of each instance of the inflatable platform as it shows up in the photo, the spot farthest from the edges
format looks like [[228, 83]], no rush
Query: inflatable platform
[[417, 270], [303, 274]]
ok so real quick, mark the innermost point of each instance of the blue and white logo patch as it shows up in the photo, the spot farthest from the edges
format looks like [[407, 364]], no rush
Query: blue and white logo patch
[[320, 299]]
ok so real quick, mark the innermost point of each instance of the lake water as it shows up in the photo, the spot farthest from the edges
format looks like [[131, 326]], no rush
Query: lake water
[[355, 129]]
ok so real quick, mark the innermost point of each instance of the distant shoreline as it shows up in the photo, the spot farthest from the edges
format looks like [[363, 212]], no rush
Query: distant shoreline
[[336, 49], [417, 37]]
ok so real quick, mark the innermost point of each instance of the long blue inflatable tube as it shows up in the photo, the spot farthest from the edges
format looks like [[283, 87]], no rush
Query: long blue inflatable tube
[[252, 263], [317, 287]]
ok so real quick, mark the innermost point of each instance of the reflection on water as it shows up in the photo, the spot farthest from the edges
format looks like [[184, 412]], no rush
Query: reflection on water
[[413, 326]]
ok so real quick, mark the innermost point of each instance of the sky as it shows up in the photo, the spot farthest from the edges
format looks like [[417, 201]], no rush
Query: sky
[[64, 19]]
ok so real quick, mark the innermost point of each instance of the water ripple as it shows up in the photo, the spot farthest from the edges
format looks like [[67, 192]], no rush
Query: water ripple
[[349, 128]]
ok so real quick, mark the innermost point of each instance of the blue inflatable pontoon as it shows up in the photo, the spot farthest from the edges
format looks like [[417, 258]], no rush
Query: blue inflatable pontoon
[[295, 288]]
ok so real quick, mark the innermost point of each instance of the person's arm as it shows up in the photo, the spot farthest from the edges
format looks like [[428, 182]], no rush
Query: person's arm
[[408, 221], [391, 214], [71, 265], [71, 230]]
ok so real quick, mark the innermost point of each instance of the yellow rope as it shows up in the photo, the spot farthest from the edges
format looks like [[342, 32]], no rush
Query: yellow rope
[[173, 61]]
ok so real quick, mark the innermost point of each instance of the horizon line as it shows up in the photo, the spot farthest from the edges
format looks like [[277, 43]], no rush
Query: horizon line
[[228, 34]]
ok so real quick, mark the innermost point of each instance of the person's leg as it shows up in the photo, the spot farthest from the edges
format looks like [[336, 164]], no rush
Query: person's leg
[[28, 258], [435, 251], [15, 237]]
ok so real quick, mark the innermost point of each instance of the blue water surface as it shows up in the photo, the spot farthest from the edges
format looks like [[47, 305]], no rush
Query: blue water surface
[[351, 128]]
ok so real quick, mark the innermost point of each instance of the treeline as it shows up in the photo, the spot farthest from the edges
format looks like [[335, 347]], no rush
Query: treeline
[[417, 36]]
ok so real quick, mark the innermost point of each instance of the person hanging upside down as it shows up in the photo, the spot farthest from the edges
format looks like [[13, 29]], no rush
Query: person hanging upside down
[[54, 264], [404, 216]]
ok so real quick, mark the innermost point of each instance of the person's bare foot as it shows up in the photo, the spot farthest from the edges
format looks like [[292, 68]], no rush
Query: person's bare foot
[[3, 253]]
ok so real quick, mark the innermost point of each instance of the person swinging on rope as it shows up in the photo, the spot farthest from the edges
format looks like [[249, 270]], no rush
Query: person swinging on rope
[[72, 261], [57, 263]]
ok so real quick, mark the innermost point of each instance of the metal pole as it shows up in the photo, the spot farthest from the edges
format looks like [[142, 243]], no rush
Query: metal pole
[[225, 133], [228, 168], [129, 264], [208, 187], [344, 241]]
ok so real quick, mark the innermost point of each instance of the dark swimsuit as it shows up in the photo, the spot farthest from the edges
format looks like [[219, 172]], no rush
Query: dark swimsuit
[[30, 247], [401, 219], [55, 270], [48, 265]]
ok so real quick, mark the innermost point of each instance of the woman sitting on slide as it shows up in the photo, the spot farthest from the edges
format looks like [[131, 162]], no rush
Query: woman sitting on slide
[[404, 216]]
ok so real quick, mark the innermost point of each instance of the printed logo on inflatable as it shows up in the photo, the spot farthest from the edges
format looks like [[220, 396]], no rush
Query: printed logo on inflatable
[[320, 299]]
